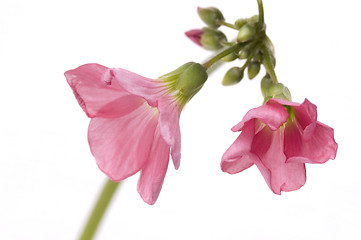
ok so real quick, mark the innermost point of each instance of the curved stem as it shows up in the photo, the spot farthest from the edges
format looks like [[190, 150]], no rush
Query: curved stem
[[99, 210], [245, 65], [267, 63], [261, 12], [217, 57], [228, 25]]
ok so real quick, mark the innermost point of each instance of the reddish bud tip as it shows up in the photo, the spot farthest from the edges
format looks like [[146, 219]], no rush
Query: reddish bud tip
[[195, 35]]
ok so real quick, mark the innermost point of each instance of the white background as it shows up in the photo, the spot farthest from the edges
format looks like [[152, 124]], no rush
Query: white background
[[49, 179]]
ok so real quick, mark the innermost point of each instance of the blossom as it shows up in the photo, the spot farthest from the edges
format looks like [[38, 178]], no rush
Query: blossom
[[134, 120], [279, 138]]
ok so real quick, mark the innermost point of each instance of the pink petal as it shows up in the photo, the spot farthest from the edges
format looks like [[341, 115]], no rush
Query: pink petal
[[284, 102], [121, 146], [319, 148], [238, 157], [272, 114], [169, 113], [293, 139], [195, 35], [98, 95], [153, 173], [279, 175], [306, 113], [147, 88]]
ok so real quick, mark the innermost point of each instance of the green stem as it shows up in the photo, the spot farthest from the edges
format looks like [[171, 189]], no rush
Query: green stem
[[245, 65], [235, 48], [99, 210], [261, 12], [267, 63], [229, 25]]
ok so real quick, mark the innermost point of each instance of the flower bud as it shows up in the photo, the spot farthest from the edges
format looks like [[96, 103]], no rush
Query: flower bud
[[233, 76], [279, 91], [195, 35], [211, 39], [191, 79], [276, 89], [230, 57], [253, 20], [244, 54], [266, 83], [253, 69], [285, 94], [211, 16], [245, 33], [240, 22]]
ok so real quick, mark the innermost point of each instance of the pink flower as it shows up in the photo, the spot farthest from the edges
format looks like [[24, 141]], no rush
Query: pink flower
[[195, 35], [134, 122], [279, 138]]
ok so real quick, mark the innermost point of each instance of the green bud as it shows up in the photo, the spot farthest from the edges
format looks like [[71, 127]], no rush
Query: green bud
[[272, 90], [253, 20], [233, 76], [253, 69], [273, 60], [279, 91], [211, 16], [285, 94], [244, 54], [211, 39], [191, 79], [245, 33], [240, 22], [230, 57], [276, 89], [266, 83]]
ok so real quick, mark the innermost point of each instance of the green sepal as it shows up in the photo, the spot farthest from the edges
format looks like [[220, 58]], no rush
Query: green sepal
[[185, 81]]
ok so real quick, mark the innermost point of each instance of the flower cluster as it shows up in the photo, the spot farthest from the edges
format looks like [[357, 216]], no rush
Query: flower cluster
[[134, 123]]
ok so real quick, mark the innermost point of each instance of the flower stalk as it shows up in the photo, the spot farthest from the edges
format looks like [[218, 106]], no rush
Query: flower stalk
[[235, 48], [99, 209], [261, 12], [267, 63]]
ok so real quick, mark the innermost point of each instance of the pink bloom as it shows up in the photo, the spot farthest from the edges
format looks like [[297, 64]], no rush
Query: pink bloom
[[195, 35], [279, 138], [134, 124]]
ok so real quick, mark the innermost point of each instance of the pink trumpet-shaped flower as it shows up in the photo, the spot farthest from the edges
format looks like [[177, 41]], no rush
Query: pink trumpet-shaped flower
[[279, 138], [135, 123]]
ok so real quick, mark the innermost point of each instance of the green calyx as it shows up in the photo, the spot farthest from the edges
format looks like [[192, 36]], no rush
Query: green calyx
[[274, 90], [185, 81], [211, 16]]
